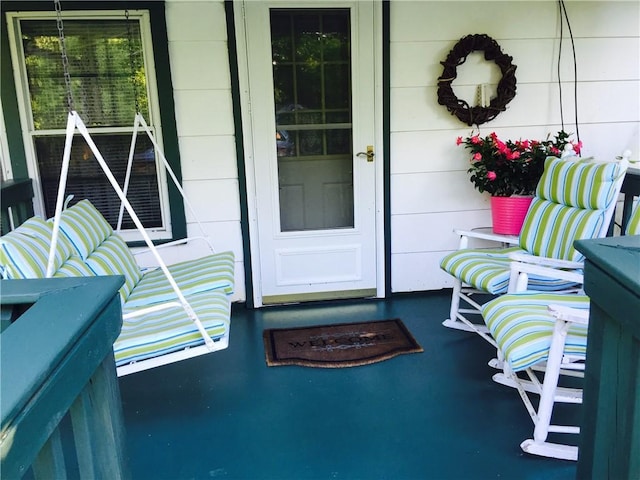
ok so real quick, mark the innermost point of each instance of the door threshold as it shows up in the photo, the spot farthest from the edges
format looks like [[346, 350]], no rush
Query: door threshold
[[318, 296]]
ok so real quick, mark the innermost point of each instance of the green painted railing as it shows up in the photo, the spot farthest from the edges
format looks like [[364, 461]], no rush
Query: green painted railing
[[56, 361], [16, 201], [610, 433]]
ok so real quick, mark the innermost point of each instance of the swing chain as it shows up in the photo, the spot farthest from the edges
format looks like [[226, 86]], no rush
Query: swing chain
[[65, 58], [132, 64]]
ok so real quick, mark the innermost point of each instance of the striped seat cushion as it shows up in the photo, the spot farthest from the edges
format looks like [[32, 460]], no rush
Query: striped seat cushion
[[522, 326], [213, 272], [84, 227], [24, 252], [113, 257], [489, 271], [171, 330]]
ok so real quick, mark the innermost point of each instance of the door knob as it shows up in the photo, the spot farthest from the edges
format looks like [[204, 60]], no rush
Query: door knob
[[369, 153]]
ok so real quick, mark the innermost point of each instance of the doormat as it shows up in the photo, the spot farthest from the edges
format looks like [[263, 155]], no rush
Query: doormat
[[339, 345]]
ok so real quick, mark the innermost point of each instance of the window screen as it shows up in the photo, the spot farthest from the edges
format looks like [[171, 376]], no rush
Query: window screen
[[108, 80]]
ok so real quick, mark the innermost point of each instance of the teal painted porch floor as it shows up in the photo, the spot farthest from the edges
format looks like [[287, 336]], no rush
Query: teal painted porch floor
[[431, 415]]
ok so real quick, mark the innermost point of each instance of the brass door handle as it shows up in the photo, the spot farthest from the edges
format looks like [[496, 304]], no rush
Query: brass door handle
[[369, 153]]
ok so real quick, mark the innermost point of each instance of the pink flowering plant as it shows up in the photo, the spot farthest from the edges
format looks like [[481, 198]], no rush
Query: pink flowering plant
[[506, 168]]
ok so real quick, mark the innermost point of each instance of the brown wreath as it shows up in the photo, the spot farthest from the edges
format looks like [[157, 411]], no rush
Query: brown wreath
[[506, 87]]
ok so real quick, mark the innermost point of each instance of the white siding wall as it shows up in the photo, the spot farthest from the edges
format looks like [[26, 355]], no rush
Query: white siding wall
[[430, 191], [199, 62]]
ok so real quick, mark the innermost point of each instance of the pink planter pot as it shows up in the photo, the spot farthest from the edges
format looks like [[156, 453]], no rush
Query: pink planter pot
[[508, 214]]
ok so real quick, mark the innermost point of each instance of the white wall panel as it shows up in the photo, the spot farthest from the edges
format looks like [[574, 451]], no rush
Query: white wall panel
[[208, 157], [204, 112], [433, 229], [213, 200], [196, 20], [411, 272], [203, 65]]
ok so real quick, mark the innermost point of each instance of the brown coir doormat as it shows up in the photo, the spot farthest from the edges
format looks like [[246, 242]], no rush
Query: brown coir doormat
[[340, 345]]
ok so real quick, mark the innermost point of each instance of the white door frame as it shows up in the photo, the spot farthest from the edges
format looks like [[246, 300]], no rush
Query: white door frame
[[248, 135]]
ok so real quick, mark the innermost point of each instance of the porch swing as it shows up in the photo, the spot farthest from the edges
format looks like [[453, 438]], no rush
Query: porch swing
[[170, 313]]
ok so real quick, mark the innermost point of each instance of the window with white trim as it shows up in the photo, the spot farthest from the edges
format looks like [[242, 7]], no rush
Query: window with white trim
[[112, 72]]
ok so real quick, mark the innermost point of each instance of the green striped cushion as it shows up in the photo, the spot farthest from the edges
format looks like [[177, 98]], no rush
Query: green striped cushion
[[489, 271], [85, 227], [581, 184], [213, 272], [522, 326], [24, 252], [550, 229], [74, 267], [633, 227], [170, 330], [113, 257], [571, 203]]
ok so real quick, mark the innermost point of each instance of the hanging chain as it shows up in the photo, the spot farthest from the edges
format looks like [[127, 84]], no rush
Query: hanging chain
[[65, 58], [132, 63]]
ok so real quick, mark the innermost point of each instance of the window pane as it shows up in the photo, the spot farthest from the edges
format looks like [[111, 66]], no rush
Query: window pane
[[100, 62], [87, 180], [311, 56]]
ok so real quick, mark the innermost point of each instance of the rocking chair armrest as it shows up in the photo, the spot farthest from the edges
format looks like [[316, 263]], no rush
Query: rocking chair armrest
[[485, 235], [520, 268], [545, 261], [569, 314]]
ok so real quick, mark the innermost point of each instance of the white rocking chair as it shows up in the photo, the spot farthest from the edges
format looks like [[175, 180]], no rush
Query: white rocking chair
[[575, 199]]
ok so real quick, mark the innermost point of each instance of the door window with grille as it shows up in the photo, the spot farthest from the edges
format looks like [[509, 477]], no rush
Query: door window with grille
[[111, 74]]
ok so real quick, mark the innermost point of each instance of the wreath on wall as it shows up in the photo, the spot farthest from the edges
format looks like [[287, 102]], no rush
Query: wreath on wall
[[506, 87]]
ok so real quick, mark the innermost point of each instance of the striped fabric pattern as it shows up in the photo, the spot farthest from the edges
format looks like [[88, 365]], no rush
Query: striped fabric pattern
[[74, 267], [24, 252], [113, 257], [214, 272], [581, 184], [633, 227], [85, 227], [170, 330], [550, 229], [488, 270], [522, 327]]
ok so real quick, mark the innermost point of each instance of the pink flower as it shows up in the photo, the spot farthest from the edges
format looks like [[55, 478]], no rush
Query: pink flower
[[577, 147], [555, 151], [458, 140], [491, 176], [477, 156], [476, 139]]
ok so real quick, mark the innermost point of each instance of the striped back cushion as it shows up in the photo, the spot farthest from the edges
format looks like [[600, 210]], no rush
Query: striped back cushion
[[24, 252], [633, 227], [74, 267], [113, 257], [572, 202], [581, 184], [85, 227]]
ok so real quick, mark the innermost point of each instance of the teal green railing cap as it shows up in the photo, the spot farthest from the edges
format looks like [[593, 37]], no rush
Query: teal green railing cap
[[64, 328], [618, 255]]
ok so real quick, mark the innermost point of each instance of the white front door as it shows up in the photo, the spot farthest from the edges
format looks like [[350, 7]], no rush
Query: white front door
[[310, 96]]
